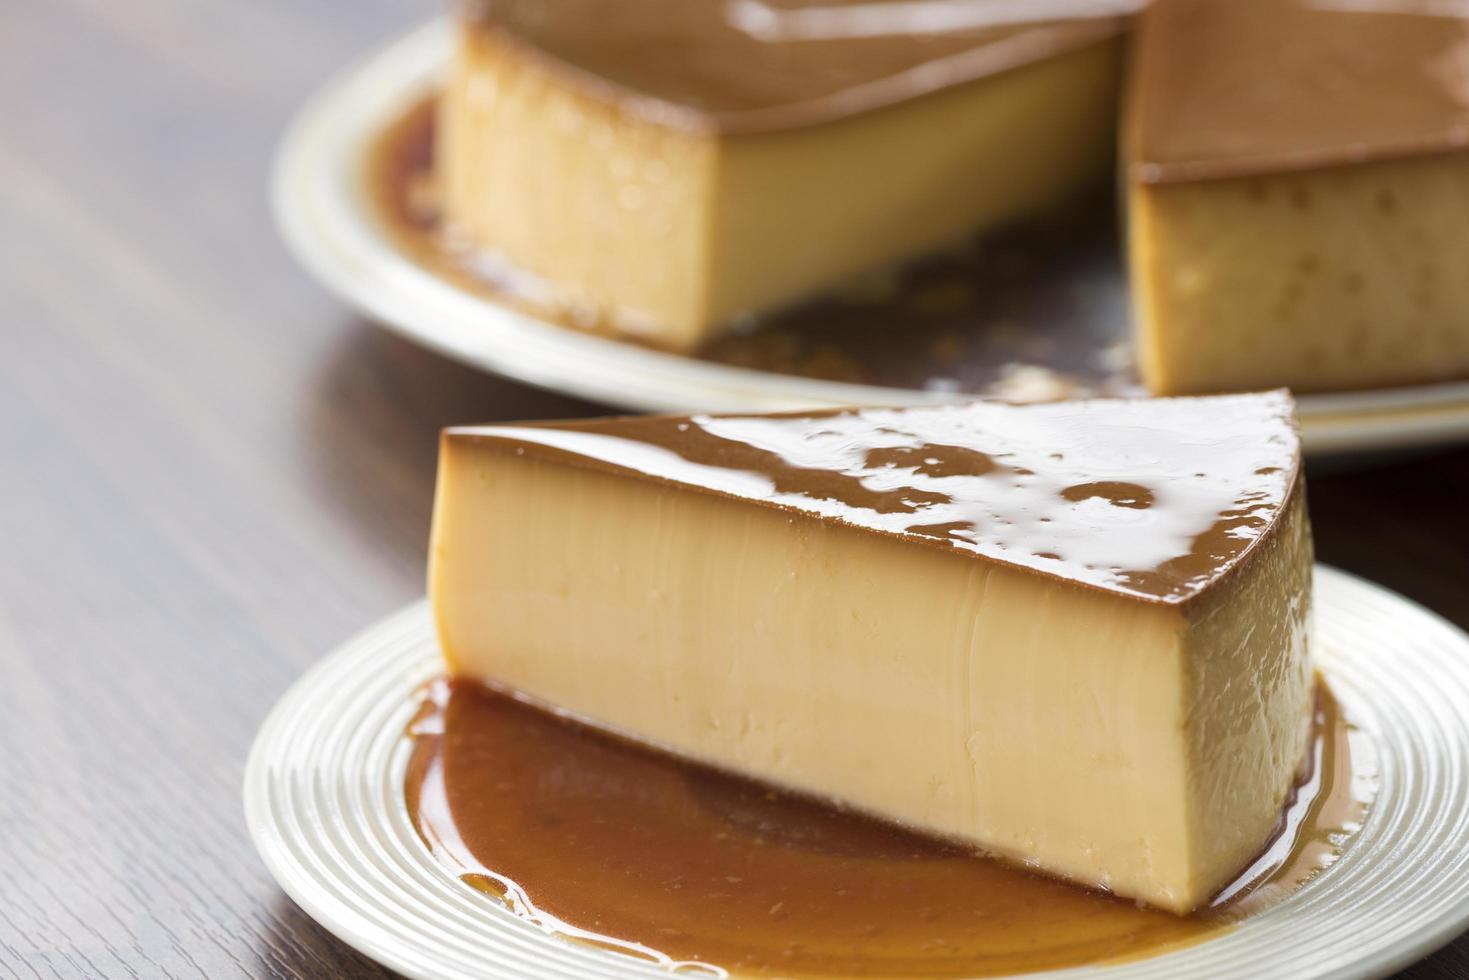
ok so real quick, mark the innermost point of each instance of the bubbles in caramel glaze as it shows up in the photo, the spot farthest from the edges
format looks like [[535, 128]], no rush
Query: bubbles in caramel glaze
[[1114, 492], [1155, 498]]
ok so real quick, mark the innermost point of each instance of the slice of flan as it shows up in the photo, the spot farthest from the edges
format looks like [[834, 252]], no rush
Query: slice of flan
[[662, 168], [1072, 635], [1298, 177]]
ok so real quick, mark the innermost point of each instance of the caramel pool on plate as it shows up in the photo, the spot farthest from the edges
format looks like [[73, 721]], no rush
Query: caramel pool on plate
[[608, 842]]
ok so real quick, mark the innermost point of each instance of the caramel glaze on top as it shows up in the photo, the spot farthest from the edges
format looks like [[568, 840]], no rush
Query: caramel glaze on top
[[698, 64], [1231, 88], [1155, 499]]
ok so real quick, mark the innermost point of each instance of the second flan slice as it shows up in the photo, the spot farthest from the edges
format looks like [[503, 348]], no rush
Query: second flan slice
[[1298, 188]]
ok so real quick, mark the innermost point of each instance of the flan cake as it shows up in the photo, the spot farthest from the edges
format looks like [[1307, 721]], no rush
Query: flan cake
[[1296, 171], [658, 169], [1298, 178], [1073, 635]]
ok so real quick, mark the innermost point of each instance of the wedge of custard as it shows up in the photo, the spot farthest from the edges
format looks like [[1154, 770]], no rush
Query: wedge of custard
[[1074, 635]]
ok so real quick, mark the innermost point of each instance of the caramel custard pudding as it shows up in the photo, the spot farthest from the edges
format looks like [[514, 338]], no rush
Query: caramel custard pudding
[[1073, 635]]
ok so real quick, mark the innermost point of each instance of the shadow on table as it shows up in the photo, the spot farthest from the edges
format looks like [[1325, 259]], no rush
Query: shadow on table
[[295, 946], [370, 425], [1405, 527]]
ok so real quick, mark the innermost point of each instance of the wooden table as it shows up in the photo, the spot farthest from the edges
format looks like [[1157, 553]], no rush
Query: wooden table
[[211, 472]]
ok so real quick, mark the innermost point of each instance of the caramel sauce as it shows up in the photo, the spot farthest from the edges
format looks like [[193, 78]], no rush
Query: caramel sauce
[[1036, 312], [1208, 478], [1259, 87], [710, 65], [1217, 89], [606, 842]]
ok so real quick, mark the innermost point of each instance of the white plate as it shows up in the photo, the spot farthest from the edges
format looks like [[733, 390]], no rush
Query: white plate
[[324, 802], [325, 213]]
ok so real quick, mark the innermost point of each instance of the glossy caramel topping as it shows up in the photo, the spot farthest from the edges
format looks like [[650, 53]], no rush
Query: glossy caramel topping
[[1225, 88], [749, 65], [1150, 498], [602, 841]]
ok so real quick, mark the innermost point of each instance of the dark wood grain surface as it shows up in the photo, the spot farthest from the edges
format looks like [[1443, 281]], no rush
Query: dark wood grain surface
[[211, 472]]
